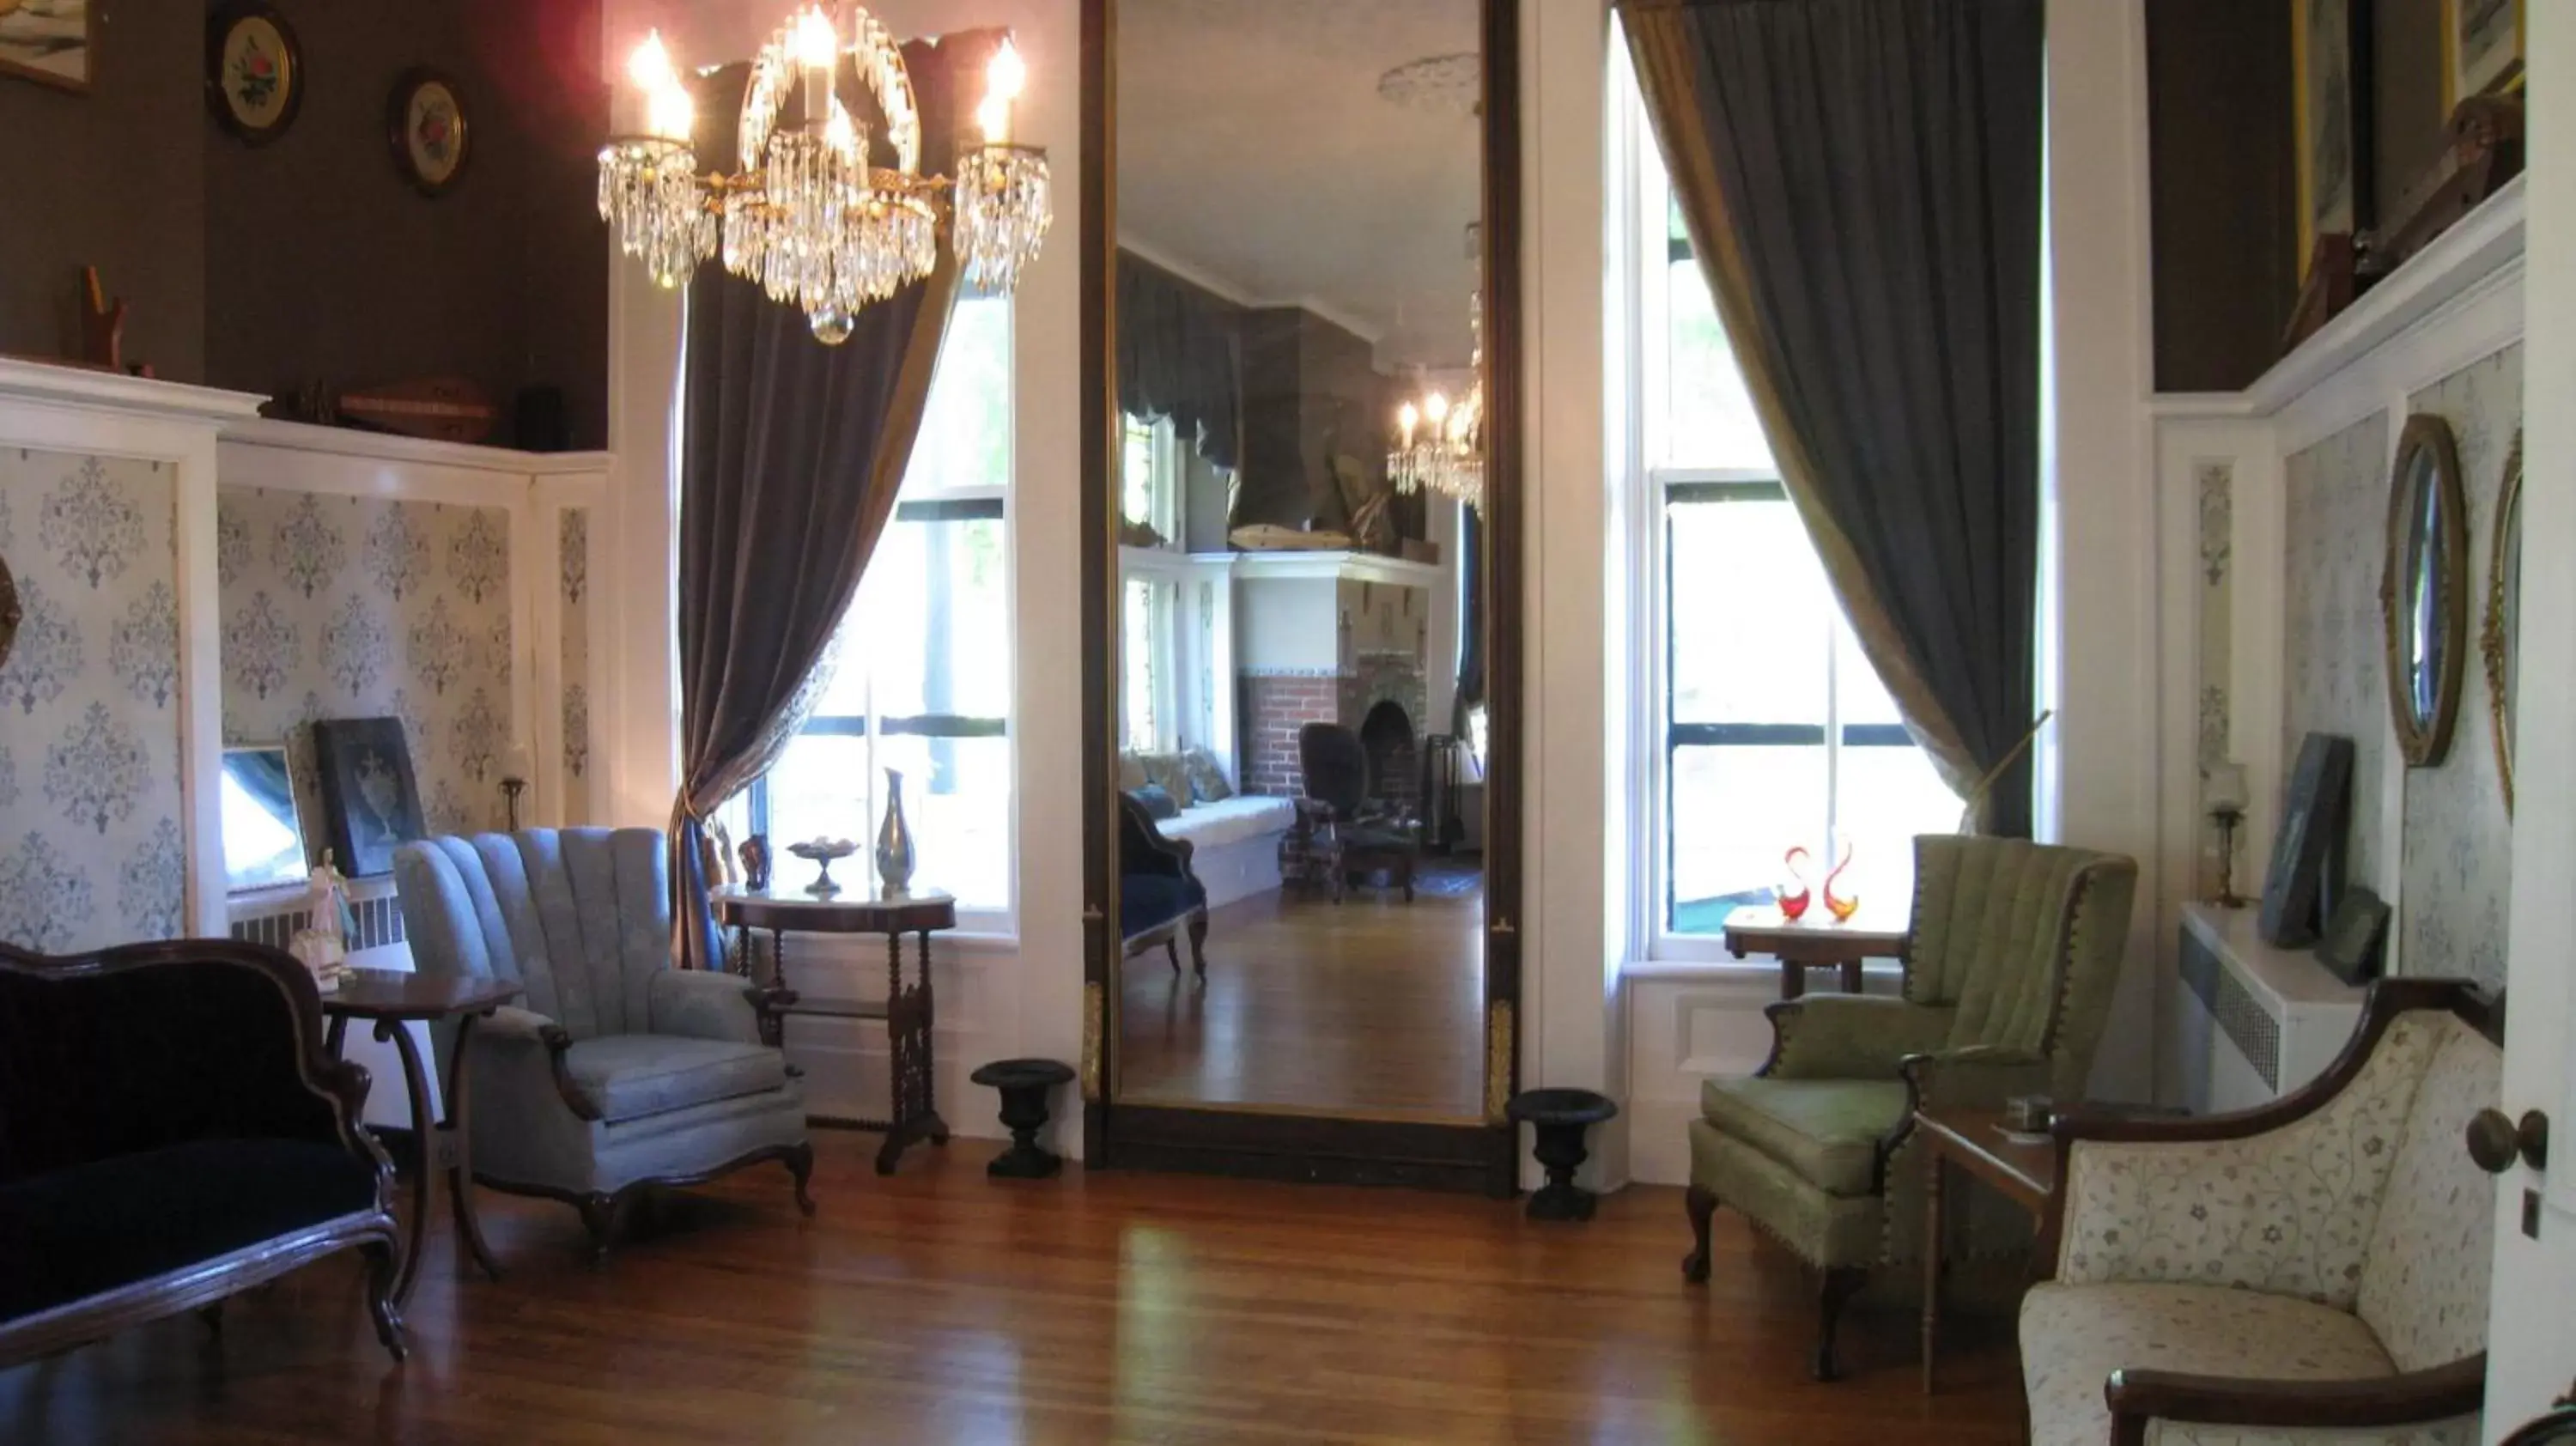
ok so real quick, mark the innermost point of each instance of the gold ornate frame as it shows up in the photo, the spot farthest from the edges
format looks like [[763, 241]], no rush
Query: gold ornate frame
[[2425, 743], [10, 611], [2494, 648]]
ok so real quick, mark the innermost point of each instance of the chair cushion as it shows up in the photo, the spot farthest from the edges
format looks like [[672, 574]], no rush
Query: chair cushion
[[1356, 837], [73, 1233], [1214, 825], [1147, 901], [2074, 1336], [1824, 1129], [629, 1076], [1207, 780], [1158, 805]]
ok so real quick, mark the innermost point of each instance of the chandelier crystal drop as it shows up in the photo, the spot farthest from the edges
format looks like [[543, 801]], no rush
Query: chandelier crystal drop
[[811, 216], [1440, 444]]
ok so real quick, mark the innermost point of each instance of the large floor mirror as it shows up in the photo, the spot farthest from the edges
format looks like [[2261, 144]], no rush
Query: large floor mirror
[[1303, 496]]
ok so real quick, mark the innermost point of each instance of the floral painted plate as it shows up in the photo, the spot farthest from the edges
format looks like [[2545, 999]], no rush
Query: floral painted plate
[[254, 71], [425, 121]]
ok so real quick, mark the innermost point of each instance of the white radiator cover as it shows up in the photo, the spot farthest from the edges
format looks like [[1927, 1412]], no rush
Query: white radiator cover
[[2257, 1021]]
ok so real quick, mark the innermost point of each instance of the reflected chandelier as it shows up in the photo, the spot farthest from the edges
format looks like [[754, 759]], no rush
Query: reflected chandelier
[[810, 216], [1440, 444]]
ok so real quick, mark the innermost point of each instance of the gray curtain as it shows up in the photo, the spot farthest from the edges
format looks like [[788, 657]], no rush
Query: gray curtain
[[791, 454], [1180, 356], [1861, 179]]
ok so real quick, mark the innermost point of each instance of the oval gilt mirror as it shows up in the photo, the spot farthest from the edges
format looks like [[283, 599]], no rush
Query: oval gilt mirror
[[2423, 589], [2500, 636]]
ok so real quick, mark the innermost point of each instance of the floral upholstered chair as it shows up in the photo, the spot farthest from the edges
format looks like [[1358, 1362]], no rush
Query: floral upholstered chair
[[2311, 1271], [2009, 962]]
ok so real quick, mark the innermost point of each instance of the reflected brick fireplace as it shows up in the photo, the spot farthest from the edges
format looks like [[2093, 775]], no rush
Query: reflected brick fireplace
[[1389, 687]]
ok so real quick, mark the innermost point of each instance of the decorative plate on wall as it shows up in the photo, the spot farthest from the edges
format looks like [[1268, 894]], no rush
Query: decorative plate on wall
[[254, 71], [425, 121]]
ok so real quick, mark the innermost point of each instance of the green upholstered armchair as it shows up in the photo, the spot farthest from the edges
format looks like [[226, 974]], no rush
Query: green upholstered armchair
[[2009, 965]]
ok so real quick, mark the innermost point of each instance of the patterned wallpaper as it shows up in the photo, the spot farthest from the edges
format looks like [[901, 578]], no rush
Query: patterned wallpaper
[[2458, 866], [2337, 509], [2216, 484], [361, 607], [91, 849], [575, 544]]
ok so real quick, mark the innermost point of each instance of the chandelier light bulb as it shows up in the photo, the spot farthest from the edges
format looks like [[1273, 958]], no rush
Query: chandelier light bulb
[[670, 113], [1436, 407], [649, 66], [1407, 418], [813, 42], [1004, 79]]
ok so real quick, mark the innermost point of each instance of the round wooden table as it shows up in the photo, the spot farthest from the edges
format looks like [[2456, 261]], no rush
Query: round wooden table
[[908, 1009], [395, 999], [1814, 941]]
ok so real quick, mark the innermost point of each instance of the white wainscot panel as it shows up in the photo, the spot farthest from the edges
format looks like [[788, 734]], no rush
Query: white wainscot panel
[[1682, 1029], [846, 1060]]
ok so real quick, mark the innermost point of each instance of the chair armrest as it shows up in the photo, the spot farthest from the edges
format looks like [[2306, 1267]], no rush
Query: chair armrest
[[1979, 1077], [1850, 1036], [2416, 1398], [703, 1004], [528, 1045]]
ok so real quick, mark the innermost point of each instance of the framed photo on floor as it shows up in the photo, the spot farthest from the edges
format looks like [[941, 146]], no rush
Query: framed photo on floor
[[370, 800]]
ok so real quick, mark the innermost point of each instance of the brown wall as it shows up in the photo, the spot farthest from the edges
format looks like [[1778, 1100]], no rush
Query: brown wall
[[309, 259], [110, 179], [2223, 189], [2408, 122]]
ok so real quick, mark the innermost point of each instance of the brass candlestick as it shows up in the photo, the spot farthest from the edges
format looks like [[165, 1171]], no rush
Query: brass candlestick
[[511, 788], [2228, 820]]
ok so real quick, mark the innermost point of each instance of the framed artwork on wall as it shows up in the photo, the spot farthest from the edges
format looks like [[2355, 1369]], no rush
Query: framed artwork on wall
[[254, 71], [2331, 81], [370, 799], [425, 124], [2481, 48], [50, 41]]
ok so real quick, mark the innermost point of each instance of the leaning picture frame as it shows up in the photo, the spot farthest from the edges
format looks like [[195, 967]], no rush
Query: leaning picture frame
[[2331, 85], [370, 798], [51, 42], [2306, 871], [2482, 43]]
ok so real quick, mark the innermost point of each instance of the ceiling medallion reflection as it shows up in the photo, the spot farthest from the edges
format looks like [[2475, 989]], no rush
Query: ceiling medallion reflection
[[812, 215]]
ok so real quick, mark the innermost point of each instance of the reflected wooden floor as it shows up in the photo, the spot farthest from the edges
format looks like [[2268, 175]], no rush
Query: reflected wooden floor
[[938, 1307], [1373, 1005]]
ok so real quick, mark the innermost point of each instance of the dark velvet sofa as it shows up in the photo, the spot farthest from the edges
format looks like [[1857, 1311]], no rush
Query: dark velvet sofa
[[1159, 897], [172, 1133]]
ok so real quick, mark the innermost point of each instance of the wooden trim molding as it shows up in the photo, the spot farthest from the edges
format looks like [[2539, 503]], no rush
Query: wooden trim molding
[[2417, 1397]]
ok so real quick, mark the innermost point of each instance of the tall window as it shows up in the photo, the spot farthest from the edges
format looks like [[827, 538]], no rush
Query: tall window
[[1768, 728], [1152, 482], [1149, 479], [923, 679]]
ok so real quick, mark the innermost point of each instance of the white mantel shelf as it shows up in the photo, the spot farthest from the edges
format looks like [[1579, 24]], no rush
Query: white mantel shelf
[[1337, 565], [394, 447], [91, 390]]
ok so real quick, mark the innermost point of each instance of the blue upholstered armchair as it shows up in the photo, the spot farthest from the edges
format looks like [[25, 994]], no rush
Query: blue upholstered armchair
[[617, 1072]]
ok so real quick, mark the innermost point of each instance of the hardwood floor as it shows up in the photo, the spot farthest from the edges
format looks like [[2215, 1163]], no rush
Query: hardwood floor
[[1370, 1006], [939, 1307]]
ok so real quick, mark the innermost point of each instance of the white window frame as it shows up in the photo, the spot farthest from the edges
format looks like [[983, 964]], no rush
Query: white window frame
[[1639, 294], [1167, 510]]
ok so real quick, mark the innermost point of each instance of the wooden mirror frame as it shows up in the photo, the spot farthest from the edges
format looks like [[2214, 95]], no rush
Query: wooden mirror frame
[[2425, 743], [1469, 1154], [10, 611], [2496, 648]]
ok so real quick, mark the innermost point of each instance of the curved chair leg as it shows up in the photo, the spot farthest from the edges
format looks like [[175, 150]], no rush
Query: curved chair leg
[[800, 1168], [1198, 944], [599, 1212], [213, 1316], [1700, 1203], [384, 1270], [1839, 1286], [1172, 950]]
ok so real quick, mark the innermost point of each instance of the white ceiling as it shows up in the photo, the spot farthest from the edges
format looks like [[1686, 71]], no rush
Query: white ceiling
[[1256, 156]]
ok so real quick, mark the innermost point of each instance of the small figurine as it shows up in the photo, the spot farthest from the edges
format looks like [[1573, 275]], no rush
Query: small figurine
[[755, 862], [1793, 902], [323, 943], [1841, 906]]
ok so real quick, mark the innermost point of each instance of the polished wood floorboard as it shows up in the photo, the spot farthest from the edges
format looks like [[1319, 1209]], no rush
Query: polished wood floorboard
[[939, 1307], [1373, 1005]]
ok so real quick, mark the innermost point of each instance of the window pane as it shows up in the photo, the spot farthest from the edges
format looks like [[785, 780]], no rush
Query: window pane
[[1886, 796], [1734, 812], [820, 789], [1751, 617], [1708, 416], [965, 436], [1136, 660], [957, 797], [1136, 472], [933, 621], [1860, 696]]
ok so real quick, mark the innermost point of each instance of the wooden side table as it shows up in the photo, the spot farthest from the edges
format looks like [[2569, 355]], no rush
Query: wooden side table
[[909, 1011], [2023, 1167], [394, 999], [1811, 942]]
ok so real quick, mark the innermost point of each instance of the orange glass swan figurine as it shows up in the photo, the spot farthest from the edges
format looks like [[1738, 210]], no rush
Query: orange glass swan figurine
[[1792, 904], [1841, 906]]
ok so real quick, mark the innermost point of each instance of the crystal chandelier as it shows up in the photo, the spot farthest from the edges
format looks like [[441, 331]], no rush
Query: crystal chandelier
[[812, 215], [1440, 444]]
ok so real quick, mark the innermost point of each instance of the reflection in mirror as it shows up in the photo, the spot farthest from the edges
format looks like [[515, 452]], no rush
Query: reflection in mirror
[[1299, 696], [263, 837], [2423, 590], [2424, 640]]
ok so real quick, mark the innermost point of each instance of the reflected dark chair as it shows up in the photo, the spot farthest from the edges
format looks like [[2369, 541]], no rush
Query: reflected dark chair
[[1158, 894], [1352, 832], [171, 1132]]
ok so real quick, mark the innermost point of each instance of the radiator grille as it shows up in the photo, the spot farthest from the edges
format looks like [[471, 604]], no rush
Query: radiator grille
[[2256, 1033]]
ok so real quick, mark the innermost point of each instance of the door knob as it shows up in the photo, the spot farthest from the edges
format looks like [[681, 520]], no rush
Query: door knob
[[2496, 1142]]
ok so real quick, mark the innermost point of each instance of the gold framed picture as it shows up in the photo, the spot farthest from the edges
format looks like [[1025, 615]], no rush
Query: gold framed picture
[[2330, 63], [49, 41], [2481, 48], [254, 71], [426, 126]]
